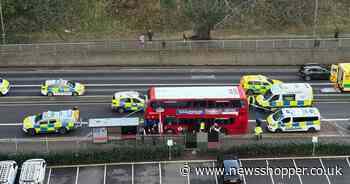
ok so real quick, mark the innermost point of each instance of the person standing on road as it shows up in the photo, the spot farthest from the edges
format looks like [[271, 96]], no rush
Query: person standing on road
[[142, 41], [258, 132], [150, 35]]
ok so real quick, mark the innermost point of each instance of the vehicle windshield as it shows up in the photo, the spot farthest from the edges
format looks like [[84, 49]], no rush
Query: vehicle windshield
[[38, 117], [278, 115], [268, 94], [71, 84], [270, 81]]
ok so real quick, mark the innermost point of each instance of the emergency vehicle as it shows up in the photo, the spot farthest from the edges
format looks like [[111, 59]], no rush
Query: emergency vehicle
[[62, 87], [52, 122], [33, 172], [8, 172], [128, 101], [294, 119], [257, 84], [340, 75], [286, 95], [4, 86]]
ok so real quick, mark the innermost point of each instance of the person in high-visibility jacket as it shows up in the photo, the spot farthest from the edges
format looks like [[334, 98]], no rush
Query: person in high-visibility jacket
[[258, 132], [202, 127]]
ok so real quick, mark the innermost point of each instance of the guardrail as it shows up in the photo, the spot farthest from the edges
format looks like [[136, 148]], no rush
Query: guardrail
[[325, 43]]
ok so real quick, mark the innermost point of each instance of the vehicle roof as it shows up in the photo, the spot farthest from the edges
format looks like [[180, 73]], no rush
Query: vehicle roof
[[318, 67], [255, 77], [204, 92], [5, 167], [287, 88], [345, 66], [299, 112], [31, 169], [56, 82], [65, 114], [128, 94]]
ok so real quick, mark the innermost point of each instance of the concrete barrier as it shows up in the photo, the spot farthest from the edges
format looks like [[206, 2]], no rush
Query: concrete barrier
[[198, 56]]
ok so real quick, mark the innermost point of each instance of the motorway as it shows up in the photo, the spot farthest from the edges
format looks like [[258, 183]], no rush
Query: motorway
[[24, 98]]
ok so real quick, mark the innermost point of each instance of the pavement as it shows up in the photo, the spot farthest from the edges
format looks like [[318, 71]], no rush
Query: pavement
[[312, 170]]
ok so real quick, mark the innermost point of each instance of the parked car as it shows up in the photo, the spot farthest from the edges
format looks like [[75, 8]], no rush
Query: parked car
[[8, 172], [33, 172], [231, 166], [312, 72]]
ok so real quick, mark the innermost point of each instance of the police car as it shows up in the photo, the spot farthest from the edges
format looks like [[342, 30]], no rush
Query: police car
[[257, 84], [294, 119], [52, 122], [128, 101], [62, 87], [4, 86], [286, 95]]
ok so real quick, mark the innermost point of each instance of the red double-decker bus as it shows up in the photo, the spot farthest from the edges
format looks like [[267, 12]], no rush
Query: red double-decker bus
[[175, 109]]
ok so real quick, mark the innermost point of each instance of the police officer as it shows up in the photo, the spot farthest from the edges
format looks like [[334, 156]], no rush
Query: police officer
[[258, 131], [202, 126]]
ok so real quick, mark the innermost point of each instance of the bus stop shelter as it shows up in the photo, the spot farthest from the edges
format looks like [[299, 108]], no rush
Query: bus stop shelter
[[105, 129]]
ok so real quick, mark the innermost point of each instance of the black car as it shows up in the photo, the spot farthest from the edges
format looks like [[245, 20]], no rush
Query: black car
[[310, 72], [231, 166]]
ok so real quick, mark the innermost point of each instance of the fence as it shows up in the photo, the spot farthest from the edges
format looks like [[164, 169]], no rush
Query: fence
[[80, 144], [56, 48]]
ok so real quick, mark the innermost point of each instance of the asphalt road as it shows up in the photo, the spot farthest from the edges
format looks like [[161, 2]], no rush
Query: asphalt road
[[99, 82], [22, 100]]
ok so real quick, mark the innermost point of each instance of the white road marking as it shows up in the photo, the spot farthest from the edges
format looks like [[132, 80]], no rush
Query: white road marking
[[203, 77], [244, 180], [215, 176], [160, 173], [163, 84], [77, 176], [49, 176], [347, 160], [132, 173], [329, 181], [296, 168], [188, 176], [267, 162], [105, 174]]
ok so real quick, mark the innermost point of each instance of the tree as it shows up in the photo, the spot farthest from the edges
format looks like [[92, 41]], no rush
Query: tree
[[204, 14]]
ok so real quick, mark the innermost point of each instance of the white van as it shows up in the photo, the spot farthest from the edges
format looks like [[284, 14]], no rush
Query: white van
[[286, 95], [33, 172], [8, 172]]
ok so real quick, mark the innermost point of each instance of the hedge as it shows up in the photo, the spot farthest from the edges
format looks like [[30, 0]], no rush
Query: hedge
[[119, 154], [282, 150]]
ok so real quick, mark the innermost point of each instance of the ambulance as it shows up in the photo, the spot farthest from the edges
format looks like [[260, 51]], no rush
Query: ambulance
[[294, 119], [4, 87], [340, 75], [128, 101], [52, 122], [286, 95], [257, 84]]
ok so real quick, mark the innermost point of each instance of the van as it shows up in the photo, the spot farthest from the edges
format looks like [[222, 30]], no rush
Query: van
[[33, 172], [340, 75], [286, 95], [8, 172], [294, 119]]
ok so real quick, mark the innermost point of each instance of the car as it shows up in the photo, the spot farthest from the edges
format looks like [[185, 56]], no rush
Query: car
[[61, 87], [52, 122], [257, 84], [33, 172], [128, 101], [231, 166], [8, 171], [314, 72], [4, 87]]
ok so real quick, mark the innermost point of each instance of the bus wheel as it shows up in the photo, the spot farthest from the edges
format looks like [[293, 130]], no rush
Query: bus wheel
[[278, 130], [224, 131], [311, 130], [169, 131]]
